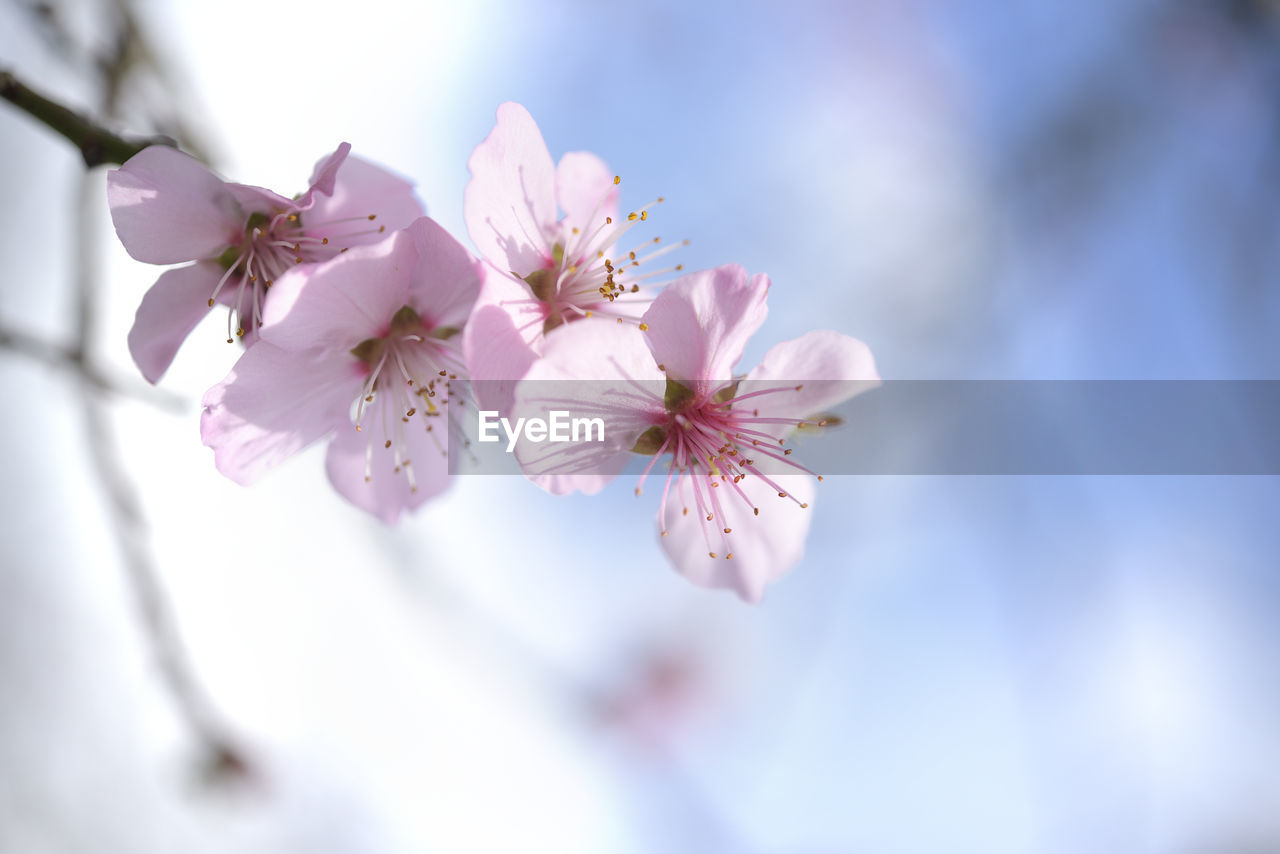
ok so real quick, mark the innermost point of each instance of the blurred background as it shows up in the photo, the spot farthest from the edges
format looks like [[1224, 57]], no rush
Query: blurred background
[[1028, 190]]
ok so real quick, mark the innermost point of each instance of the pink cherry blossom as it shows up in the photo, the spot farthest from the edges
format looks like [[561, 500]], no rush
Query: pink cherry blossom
[[733, 511], [169, 208], [556, 230], [365, 351]]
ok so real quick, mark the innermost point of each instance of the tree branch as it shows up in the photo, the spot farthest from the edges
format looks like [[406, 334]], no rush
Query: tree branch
[[74, 360], [97, 145]]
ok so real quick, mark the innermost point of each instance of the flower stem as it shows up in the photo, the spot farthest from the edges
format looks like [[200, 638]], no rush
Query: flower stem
[[97, 145]]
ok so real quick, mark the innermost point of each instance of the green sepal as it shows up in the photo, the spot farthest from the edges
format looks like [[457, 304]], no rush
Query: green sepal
[[229, 257], [367, 350], [729, 392], [677, 396], [650, 441], [542, 283]]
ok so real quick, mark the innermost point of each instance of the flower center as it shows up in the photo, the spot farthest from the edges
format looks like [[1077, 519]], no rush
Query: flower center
[[714, 443], [270, 244], [585, 273], [407, 387]]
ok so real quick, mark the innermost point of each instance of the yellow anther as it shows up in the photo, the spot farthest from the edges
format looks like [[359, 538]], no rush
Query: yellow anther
[[644, 327]]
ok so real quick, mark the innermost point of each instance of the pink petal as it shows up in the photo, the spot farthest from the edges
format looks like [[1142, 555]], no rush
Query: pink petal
[[499, 340], [445, 280], [510, 202], [326, 171], [344, 301], [259, 199], [764, 547], [360, 190], [590, 368], [700, 323], [585, 190], [829, 367], [387, 493], [167, 207], [174, 305], [273, 404]]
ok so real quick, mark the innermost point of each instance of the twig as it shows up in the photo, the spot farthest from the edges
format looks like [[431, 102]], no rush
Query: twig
[[223, 758], [97, 145], [74, 360]]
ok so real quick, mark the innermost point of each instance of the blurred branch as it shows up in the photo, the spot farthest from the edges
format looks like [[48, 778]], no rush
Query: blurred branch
[[223, 759], [74, 360], [114, 71], [97, 145]]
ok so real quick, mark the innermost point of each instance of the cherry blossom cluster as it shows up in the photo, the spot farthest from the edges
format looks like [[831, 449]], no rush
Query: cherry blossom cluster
[[364, 324]]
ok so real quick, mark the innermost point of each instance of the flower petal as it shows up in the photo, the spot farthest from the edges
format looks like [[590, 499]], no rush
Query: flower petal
[[168, 207], [585, 191], [344, 301], [326, 173], [828, 367], [361, 190], [700, 323], [445, 280], [273, 404], [388, 492], [589, 369], [510, 203], [501, 338], [764, 546], [174, 305]]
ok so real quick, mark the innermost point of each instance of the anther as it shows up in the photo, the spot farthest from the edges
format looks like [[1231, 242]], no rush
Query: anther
[[644, 327], [782, 495], [388, 444]]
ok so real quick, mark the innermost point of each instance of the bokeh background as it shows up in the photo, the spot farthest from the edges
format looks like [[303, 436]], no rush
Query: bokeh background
[[1022, 190]]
